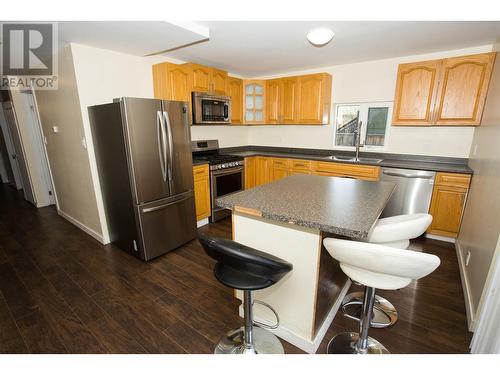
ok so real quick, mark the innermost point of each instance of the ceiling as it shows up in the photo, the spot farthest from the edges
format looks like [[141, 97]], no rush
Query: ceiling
[[254, 49], [133, 37], [259, 48]]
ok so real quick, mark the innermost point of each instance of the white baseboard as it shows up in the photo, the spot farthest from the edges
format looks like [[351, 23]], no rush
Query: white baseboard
[[440, 238], [471, 315], [83, 227], [202, 222], [309, 346]]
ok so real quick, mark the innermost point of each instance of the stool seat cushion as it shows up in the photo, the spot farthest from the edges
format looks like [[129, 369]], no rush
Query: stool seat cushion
[[233, 278], [242, 267], [399, 228], [380, 266]]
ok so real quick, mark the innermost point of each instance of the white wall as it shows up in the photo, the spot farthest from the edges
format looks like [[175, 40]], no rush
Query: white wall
[[372, 81], [69, 162], [480, 229]]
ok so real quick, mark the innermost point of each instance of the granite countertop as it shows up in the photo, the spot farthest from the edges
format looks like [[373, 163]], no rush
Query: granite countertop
[[437, 164], [341, 206]]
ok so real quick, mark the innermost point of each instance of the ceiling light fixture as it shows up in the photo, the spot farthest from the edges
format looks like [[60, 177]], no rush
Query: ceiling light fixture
[[320, 37]]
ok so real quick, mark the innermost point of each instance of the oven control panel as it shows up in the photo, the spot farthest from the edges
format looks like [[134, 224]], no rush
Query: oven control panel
[[230, 164]]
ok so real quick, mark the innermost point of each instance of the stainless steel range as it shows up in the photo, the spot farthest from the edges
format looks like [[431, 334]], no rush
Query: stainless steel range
[[227, 173]]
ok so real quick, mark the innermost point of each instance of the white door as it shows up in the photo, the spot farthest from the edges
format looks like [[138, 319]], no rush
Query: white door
[[12, 153], [10, 117], [44, 196]]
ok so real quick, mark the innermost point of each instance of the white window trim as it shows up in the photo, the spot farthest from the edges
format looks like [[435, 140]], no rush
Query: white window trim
[[363, 115]]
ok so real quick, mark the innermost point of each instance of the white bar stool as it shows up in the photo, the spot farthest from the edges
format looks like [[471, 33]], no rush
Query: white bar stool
[[376, 267], [394, 231]]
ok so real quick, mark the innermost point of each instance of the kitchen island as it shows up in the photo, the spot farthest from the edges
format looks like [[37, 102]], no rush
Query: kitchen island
[[289, 218]]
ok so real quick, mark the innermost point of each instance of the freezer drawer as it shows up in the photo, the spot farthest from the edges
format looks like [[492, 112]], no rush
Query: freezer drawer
[[167, 224]]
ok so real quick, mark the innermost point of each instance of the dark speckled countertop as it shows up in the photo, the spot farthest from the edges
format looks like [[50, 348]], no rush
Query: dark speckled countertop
[[427, 163], [340, 206]]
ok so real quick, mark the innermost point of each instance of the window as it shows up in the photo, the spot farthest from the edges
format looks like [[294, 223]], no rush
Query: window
[[372, 117]]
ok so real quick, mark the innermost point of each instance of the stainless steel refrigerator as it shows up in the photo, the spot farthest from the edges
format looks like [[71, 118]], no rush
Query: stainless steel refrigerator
[[144, 160]]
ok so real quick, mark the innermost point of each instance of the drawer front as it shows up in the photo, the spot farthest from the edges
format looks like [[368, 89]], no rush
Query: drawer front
[[281, 162], [301, 165], [367, 172], [200, 171], [453, 179]]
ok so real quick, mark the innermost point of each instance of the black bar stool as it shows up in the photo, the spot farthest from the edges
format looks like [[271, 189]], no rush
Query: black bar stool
[[247, 269]]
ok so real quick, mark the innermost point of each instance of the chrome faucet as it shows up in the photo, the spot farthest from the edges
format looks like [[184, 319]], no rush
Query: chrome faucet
[[357, 135]]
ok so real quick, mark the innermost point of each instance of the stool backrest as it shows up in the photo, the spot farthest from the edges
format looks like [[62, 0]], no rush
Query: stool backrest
[[400, 227], [382, 266], [244, 258]]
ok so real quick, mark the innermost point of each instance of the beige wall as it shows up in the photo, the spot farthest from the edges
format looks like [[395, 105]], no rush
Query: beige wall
[[480, 229], [373, 81], [68, 159]]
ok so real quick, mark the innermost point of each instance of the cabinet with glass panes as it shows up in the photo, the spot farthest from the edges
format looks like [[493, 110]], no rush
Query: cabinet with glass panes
[[255, 95]]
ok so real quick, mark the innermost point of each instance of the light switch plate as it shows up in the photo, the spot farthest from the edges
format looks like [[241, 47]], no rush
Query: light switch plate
[[55, 129]]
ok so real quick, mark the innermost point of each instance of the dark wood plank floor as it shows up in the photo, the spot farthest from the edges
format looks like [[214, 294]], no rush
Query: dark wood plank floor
[[61, 291]]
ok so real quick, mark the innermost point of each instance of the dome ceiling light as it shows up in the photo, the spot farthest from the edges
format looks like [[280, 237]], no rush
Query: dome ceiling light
[[320, 37]]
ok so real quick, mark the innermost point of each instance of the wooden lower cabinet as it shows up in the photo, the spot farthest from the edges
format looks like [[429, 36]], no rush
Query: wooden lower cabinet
[[262, 170], [448, 202], [362, 172], [201, 191], [250, 171]]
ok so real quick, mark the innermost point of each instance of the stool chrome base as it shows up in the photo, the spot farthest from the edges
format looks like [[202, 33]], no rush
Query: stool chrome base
[[384, 313], [264, 343], [345, 343]]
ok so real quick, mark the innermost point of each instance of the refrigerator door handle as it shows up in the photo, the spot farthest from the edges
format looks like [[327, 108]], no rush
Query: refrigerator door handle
[[161, 144], [170, 145], [162, 206]]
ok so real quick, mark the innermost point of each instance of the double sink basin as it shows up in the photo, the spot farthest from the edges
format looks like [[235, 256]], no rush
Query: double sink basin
[[352, 159]]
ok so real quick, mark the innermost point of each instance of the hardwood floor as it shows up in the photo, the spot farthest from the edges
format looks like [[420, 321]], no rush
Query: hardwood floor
[[61, 291]]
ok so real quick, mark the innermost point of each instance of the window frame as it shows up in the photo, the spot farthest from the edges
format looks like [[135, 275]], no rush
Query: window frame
[[363, 116]]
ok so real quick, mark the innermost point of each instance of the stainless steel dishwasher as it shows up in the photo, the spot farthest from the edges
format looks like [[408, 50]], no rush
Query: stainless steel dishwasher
[[413, 191]]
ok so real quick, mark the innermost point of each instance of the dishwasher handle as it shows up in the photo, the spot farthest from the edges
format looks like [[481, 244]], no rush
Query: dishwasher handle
[[408, 175]]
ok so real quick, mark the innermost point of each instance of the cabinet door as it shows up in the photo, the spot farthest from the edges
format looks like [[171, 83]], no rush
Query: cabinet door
[[277, 173], [262, 170], [200, 78], [179, 82], [462, 90], [416, 87], [219, 82], [289, 102], [273, 97], [161, 87], [314, 99], [447, 206], [254, 101], [235, 91], [250, 172], [201, 191]]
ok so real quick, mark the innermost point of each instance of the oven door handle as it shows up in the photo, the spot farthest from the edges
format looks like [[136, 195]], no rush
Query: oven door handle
[[223, 172]]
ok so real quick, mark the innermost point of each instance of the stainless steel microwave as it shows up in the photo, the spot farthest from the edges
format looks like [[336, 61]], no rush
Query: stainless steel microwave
[[211, 109]]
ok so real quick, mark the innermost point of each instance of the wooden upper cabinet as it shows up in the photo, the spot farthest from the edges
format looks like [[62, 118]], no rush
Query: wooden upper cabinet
[[415, 93], [289, 100], [443, 92], [462, 90], [219, 81], [200, 78], [273, 97], [172, 82], [235, 92], [254, 99], [314, 99]]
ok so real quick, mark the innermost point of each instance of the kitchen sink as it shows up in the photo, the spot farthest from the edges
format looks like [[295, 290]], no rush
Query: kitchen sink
[[352, 159]]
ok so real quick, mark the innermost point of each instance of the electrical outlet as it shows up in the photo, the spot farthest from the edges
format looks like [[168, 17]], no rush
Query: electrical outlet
[[84, 143], [55, 129], [467, 259]]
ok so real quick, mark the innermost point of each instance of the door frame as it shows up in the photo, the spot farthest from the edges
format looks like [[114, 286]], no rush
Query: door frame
[[18, 183], [486, 338]]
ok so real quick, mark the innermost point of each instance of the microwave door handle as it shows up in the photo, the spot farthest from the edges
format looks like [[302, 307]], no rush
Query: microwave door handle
[[161, 144], [170, 146], [226, 111]]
